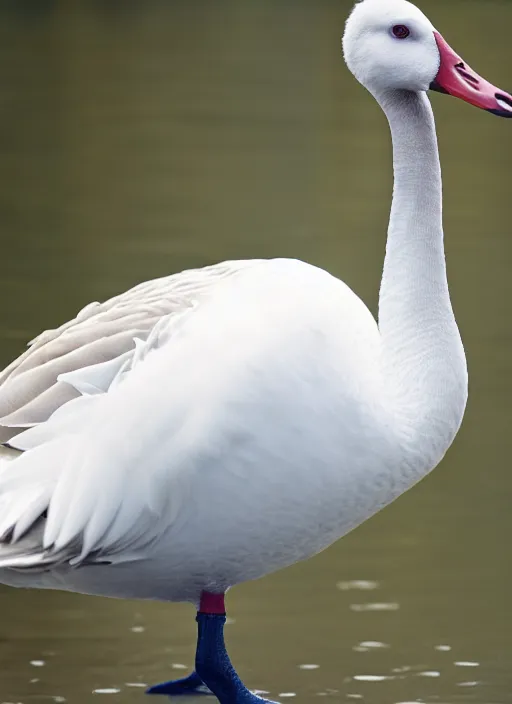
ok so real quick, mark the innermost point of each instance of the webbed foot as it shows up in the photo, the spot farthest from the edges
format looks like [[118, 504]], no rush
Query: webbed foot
[[214, 672], [192, 684]]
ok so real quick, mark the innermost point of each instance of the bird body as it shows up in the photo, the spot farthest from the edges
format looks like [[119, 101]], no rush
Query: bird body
[[164, 476]]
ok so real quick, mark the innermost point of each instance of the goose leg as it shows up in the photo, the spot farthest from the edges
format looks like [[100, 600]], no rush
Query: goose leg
[[214, 672]]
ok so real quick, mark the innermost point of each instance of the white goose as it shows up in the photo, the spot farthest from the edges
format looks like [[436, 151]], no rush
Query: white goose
[[261, 413]]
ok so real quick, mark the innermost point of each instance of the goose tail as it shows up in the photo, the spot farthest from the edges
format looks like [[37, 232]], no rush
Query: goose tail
[[27, 482]]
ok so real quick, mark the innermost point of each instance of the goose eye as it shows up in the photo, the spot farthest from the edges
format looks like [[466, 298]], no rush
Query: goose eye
[[400, 31]]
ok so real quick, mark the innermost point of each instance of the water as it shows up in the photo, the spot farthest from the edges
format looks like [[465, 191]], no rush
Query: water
[[137, 139]]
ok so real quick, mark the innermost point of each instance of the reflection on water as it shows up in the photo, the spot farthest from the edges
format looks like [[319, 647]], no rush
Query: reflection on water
[[141, 138], [64, 647]]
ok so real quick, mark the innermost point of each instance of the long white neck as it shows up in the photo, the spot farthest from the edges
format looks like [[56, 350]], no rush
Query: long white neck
[[423, 358]]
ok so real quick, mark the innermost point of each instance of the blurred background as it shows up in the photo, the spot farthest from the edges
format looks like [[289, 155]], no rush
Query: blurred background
[[141, 138]]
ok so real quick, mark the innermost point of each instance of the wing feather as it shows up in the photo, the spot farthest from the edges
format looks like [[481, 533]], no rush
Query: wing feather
[[65, 499], [29, 392]]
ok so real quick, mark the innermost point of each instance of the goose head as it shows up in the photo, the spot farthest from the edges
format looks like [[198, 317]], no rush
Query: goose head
[[390, 45]]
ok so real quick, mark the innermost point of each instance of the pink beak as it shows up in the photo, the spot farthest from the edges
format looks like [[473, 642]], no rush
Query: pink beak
[[458, 79]]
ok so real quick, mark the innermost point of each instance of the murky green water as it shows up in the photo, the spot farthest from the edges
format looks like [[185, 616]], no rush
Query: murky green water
[[139, 138]]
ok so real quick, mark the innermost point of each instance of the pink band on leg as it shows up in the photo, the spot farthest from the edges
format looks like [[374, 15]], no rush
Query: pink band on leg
[[212, 603]]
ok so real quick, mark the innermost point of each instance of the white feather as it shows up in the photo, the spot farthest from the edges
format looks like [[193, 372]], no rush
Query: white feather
[[28, 492], [97, 378], [68, 419]]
